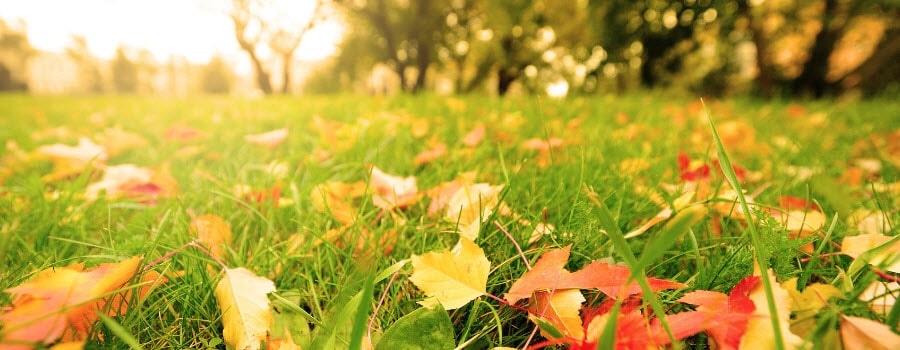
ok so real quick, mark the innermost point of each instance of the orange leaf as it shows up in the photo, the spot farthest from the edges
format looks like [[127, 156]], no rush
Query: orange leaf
[[393, 191], [561, 309], [212, 231], [724, 317], [63, 303], [549, 273], [474, 137], [426, 156]]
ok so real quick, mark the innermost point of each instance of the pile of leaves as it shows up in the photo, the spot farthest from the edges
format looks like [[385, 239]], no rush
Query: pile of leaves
[[466, 253]]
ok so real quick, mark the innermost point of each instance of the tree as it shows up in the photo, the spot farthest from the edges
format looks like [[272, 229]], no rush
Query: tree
[[405, 34], [216, 76], [89, 72], [260, 22], [124, 72], [15, 50]]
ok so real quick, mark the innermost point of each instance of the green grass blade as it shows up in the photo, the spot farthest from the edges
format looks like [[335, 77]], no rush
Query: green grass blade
[[362, 314], [763, 261], [120, 331]]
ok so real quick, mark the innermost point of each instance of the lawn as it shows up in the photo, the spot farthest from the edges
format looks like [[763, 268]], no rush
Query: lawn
[[358, 205]]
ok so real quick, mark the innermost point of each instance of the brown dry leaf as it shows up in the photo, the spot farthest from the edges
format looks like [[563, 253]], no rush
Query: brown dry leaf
[[270, 139], [859, 333], [452, 279], [213, 231], [71, 160], [393, 191], [887, 257], [243, 299]]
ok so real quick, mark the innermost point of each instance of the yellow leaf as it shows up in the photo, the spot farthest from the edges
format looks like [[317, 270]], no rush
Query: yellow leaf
[[859, 333], [805, 305], [212, 231], [562, 309], [72, 345], [451, 278], [69, 160], [887, 257], [471, 205], [760, 334], [245, 308]]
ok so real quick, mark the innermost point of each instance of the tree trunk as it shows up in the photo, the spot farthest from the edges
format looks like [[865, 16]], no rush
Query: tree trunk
[[812, 78], [505, 77], [262, 77], [286, 72], [880, 69], [765, 82]]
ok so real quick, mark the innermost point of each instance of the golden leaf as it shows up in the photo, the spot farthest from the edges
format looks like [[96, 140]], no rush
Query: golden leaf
[[451, 278], [245, 308]]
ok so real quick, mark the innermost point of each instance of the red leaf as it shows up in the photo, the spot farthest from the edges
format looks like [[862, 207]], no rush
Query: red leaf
[[549, 273], [724, 317]]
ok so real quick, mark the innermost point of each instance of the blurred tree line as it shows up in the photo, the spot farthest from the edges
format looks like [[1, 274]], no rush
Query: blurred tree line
[[772, 48]]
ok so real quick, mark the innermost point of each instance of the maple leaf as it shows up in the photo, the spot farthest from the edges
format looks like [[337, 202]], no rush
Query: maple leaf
[[561, 309], [724, 317], [63, 303], [760, 334], [393, 191], [632, 332], [242, 296], [452, 279], [68, 160], [270, 139], [470, 205], [442, 193], [549, 273], [859, 333], [212, 231], [879, 253]]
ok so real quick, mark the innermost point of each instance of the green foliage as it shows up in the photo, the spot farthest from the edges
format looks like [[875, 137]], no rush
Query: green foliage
[[425, 328]]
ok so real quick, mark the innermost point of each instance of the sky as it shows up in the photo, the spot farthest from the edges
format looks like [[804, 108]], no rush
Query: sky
[[195, 29]]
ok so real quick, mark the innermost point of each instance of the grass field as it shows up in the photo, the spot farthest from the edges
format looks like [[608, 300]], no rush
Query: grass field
[[561, 163]]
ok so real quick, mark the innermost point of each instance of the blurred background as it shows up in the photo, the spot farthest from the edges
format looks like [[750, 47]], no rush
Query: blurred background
[[767, 48]]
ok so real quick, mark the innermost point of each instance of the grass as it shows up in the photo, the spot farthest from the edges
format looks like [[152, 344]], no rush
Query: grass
[[44, 225]]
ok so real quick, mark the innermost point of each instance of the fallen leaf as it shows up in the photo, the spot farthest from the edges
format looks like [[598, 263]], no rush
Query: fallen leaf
[[723, 317], [549, 273], [116, 141], [881, 296], [131, 181], [442, 193], [68, 160], [182, 134], [887, 257], [474, 137], [392, 191], [561, 308], [429, 155], [62, 303], [452, 279], [212, 231], [270, 139], [859, 333], [760, 334], [337, 198], [242, 297], [471, 205], [805, 305]]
